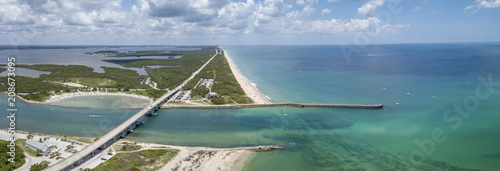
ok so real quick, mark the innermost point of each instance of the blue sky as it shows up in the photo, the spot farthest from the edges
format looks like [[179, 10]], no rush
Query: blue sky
[[227, 22]]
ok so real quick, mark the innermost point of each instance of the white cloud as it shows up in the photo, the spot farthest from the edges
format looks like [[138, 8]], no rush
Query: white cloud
[[177, 19], [417, 8], [478, 4], [305, 2], [325, 11], [370, 7]]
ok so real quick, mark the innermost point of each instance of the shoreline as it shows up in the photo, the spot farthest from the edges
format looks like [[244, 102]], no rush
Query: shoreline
[[250, 90], [188, 158], [55, 98]]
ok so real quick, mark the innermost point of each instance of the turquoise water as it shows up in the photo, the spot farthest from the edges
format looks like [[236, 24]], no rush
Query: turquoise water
[[437, 76], [64, 120], [103, 102]]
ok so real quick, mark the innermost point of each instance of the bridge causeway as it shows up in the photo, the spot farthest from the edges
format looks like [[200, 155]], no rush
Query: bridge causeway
[[123, 129]]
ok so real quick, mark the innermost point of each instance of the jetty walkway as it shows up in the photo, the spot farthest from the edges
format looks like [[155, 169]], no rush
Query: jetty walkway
[[302, 105]]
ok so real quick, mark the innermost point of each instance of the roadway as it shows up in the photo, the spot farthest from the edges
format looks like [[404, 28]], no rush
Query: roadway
[[122, 128]]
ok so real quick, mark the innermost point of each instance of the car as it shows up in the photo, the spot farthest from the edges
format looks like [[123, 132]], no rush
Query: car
[[110, 153], [103, 159]]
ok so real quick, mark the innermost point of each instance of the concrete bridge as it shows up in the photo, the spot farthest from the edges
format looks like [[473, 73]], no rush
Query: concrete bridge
[[122, 130]]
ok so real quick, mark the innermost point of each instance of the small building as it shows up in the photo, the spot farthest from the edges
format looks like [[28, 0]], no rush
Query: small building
[[35, 145], [211, 95]]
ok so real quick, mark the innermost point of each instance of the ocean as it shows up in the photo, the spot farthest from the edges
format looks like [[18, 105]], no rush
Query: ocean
[[441, 109]]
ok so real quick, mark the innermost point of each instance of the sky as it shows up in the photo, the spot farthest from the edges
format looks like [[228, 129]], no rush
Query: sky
[[247, 22]]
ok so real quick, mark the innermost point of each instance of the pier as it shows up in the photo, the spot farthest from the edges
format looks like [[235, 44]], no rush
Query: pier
[[301, 105]]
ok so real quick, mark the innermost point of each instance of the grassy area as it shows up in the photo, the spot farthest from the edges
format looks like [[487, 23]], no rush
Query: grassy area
[[21, 143], [125, 73], [93, 82], [39, 89], [39, 166], [19, 159], [87, 140], [141, 160], [180, 103], [170, 77], [129, 147], [137, 53], [226, 84]]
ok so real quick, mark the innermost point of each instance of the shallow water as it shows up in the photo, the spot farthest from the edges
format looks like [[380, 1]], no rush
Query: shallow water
[[437, 76], [103, 102], [77, 56], [25, 72]]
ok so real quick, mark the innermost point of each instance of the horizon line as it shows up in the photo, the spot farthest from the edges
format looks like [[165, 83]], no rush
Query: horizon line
[[338, 44]]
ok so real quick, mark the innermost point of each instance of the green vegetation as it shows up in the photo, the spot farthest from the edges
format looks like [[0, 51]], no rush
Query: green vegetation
[[228, 89], [130, 147], [141, 160], [118, 72], [39, 166], [41, 88], [218, 101], [21, 143], [125, 78], [19, 158], [37, 87], [91, 82], [103, 52], [225, 84], [170, 77], [137, 53], [200, 91], [3, 69]]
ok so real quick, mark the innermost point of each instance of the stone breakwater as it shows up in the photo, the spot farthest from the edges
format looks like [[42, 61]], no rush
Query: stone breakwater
[[301, 105]]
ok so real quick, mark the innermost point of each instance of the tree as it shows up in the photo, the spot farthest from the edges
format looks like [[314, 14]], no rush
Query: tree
[[218, 101], [39, 152], [39, 166]]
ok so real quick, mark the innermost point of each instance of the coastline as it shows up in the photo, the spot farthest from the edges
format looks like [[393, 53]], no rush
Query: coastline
[[55, 98], [251, 91], [188, 158]]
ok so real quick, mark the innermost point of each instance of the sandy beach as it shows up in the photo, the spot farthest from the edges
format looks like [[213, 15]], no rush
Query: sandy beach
[[188, 158], [203, 158], [250, 90], [55, 98]]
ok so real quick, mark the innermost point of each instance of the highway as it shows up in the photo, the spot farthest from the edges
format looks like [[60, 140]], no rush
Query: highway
[[122, 128]]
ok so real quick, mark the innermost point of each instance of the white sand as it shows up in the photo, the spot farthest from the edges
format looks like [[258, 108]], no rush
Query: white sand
[[201, 158], [250, 90], [188, 158]]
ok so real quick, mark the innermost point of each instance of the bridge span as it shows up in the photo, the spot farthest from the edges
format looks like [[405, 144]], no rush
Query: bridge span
[[121, 130]]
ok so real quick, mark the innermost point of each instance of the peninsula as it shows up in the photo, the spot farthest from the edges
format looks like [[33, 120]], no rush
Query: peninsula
[[217, 84]]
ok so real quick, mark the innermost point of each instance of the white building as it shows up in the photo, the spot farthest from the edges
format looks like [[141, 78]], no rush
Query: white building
[[212, 95], [35, 145]]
